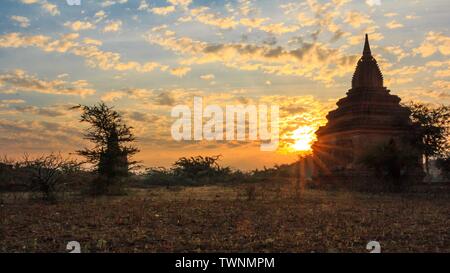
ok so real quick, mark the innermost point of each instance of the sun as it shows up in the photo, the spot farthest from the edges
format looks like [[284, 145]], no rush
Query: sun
[[303, 138]]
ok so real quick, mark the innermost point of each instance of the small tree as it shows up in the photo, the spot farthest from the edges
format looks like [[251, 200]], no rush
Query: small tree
[[390, 162], [199, 166], [110, 136], [434, 129]]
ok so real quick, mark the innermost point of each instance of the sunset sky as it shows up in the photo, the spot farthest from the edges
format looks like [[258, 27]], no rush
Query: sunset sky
[[144, 57]]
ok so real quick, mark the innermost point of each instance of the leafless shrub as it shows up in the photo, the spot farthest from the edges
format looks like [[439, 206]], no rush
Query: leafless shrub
[[48, 174]]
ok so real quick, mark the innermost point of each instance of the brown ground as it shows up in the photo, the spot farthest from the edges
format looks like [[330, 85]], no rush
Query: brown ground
[[221, 219]]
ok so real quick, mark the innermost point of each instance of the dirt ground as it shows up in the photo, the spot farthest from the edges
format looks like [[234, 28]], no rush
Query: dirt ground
[[222, 219]]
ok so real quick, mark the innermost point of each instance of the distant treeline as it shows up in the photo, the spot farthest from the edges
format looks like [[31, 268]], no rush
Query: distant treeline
[[51, 175], [201, 170]]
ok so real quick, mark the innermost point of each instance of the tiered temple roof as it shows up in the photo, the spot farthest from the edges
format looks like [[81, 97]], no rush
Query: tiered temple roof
[[368, 104]]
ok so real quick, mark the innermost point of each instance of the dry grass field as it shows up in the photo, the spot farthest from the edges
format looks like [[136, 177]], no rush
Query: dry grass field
[[223, 219]]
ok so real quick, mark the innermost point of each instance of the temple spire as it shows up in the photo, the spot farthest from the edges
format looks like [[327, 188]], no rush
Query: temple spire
[[367, 73], [367, 51]]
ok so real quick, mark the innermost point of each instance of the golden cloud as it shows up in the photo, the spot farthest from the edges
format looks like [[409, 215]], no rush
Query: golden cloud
[[79, 25], [180, 71], [313, 60], [88, 49], [434, 42], [20, 80], [113, 26], [203, 15], [394, 24], [357, 19], [21, 20], [45, 5], [163, 10]]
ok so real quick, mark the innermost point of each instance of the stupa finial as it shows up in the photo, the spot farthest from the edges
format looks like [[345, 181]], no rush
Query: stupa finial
[[367, 51], [367, 73]]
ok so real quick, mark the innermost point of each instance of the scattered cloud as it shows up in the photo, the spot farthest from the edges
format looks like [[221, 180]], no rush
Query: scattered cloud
[[373, 2], [391, 14], [79, 25], [113, 96], [313, 60], [205, 16], [180, 71], [357, 19], [440, 84], [21, 20], [163, 10], [394, 24], [208, 77], [143, 5], [183, 3], [50, 8], [108, 3], [45, 5], [434, 42], [113, 26], [252, 22], [100, 15], [279, 28], [21, 81], [88, 49]]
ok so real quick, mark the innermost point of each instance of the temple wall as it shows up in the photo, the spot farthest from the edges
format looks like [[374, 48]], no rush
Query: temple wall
[[345, 150]]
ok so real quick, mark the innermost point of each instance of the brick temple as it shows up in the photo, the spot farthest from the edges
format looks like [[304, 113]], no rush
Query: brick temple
[[368, 116]]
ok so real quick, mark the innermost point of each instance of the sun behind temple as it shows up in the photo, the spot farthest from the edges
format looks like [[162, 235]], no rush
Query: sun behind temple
[[369, 116]]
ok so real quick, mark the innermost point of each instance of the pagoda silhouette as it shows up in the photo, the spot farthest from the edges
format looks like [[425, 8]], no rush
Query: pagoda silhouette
[[368, 116]]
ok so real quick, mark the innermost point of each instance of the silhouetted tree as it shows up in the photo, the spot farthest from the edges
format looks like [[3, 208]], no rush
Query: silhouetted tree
[[199, 166], [434, 129], [111, 138], [390, 162]]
